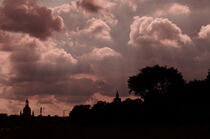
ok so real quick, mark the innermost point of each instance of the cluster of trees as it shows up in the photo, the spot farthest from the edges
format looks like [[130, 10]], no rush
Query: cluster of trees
[[104, 112], [165, 96]]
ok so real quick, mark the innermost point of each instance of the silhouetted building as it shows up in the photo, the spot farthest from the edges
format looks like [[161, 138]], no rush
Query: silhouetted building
[[27, 110], [117, 99]]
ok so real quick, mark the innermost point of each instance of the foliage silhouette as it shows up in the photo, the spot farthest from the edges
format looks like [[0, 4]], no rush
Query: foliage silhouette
[[152, 83]]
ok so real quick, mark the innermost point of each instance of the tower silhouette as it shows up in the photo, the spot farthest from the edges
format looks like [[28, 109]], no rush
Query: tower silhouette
[[117, 99], [27, 109]]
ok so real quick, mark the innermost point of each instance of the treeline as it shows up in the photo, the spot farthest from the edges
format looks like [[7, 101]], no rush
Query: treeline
[[165, 97]]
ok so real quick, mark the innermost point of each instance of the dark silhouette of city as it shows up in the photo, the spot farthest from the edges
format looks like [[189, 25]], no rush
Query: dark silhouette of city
[[167, 107]]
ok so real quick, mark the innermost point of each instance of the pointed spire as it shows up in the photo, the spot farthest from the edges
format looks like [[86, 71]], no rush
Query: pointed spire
[[117, 94], [117, 99]]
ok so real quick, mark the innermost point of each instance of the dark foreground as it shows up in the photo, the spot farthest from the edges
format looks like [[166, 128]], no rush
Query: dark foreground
[[67, 130]]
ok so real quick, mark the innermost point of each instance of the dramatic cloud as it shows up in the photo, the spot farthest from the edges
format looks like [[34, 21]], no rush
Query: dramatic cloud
[[96, 33], [40, 68], [27, 16], [102, 43], [156, 30]]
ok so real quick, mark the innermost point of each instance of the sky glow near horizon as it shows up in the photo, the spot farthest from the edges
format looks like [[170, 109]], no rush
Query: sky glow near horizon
[[61, 53]]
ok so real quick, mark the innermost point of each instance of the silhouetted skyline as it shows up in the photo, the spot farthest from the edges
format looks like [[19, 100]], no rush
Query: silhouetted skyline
[[165, 101]]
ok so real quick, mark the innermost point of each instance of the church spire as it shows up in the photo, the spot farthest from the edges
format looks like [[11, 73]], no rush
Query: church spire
[[117, 99], [117, 94]]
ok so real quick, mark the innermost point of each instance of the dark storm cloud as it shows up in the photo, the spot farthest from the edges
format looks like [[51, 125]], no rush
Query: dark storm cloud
[[27, 16]]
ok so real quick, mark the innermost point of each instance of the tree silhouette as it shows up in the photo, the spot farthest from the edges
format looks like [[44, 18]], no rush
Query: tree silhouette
[[155, 82], [80, 112]]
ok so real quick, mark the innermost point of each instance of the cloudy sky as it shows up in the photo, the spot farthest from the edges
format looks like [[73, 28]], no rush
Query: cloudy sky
[[67, 52]]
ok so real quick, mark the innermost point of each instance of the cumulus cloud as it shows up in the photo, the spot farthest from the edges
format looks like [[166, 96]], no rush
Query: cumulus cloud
[[98, 28], [92, 55], [96, 33], [40, 68], [75, 19], [204, 32], [156, 30], [174, 9], [179, 9], [101, 53], [54, 56], [27, 16]]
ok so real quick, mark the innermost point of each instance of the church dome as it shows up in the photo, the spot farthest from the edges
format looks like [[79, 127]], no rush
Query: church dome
[[27, 110]]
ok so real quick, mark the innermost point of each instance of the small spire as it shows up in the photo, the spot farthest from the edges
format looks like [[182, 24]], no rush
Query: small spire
[[117, 99], [117, 94]]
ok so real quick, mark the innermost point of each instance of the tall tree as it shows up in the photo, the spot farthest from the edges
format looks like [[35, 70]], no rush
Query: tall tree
[[154, 82]]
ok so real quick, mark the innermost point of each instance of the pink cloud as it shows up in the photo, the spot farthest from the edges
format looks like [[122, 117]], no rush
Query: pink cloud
[[204, 32], [99, 54], [27, 16], [156, 30], [174, 9], [98, 28]]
